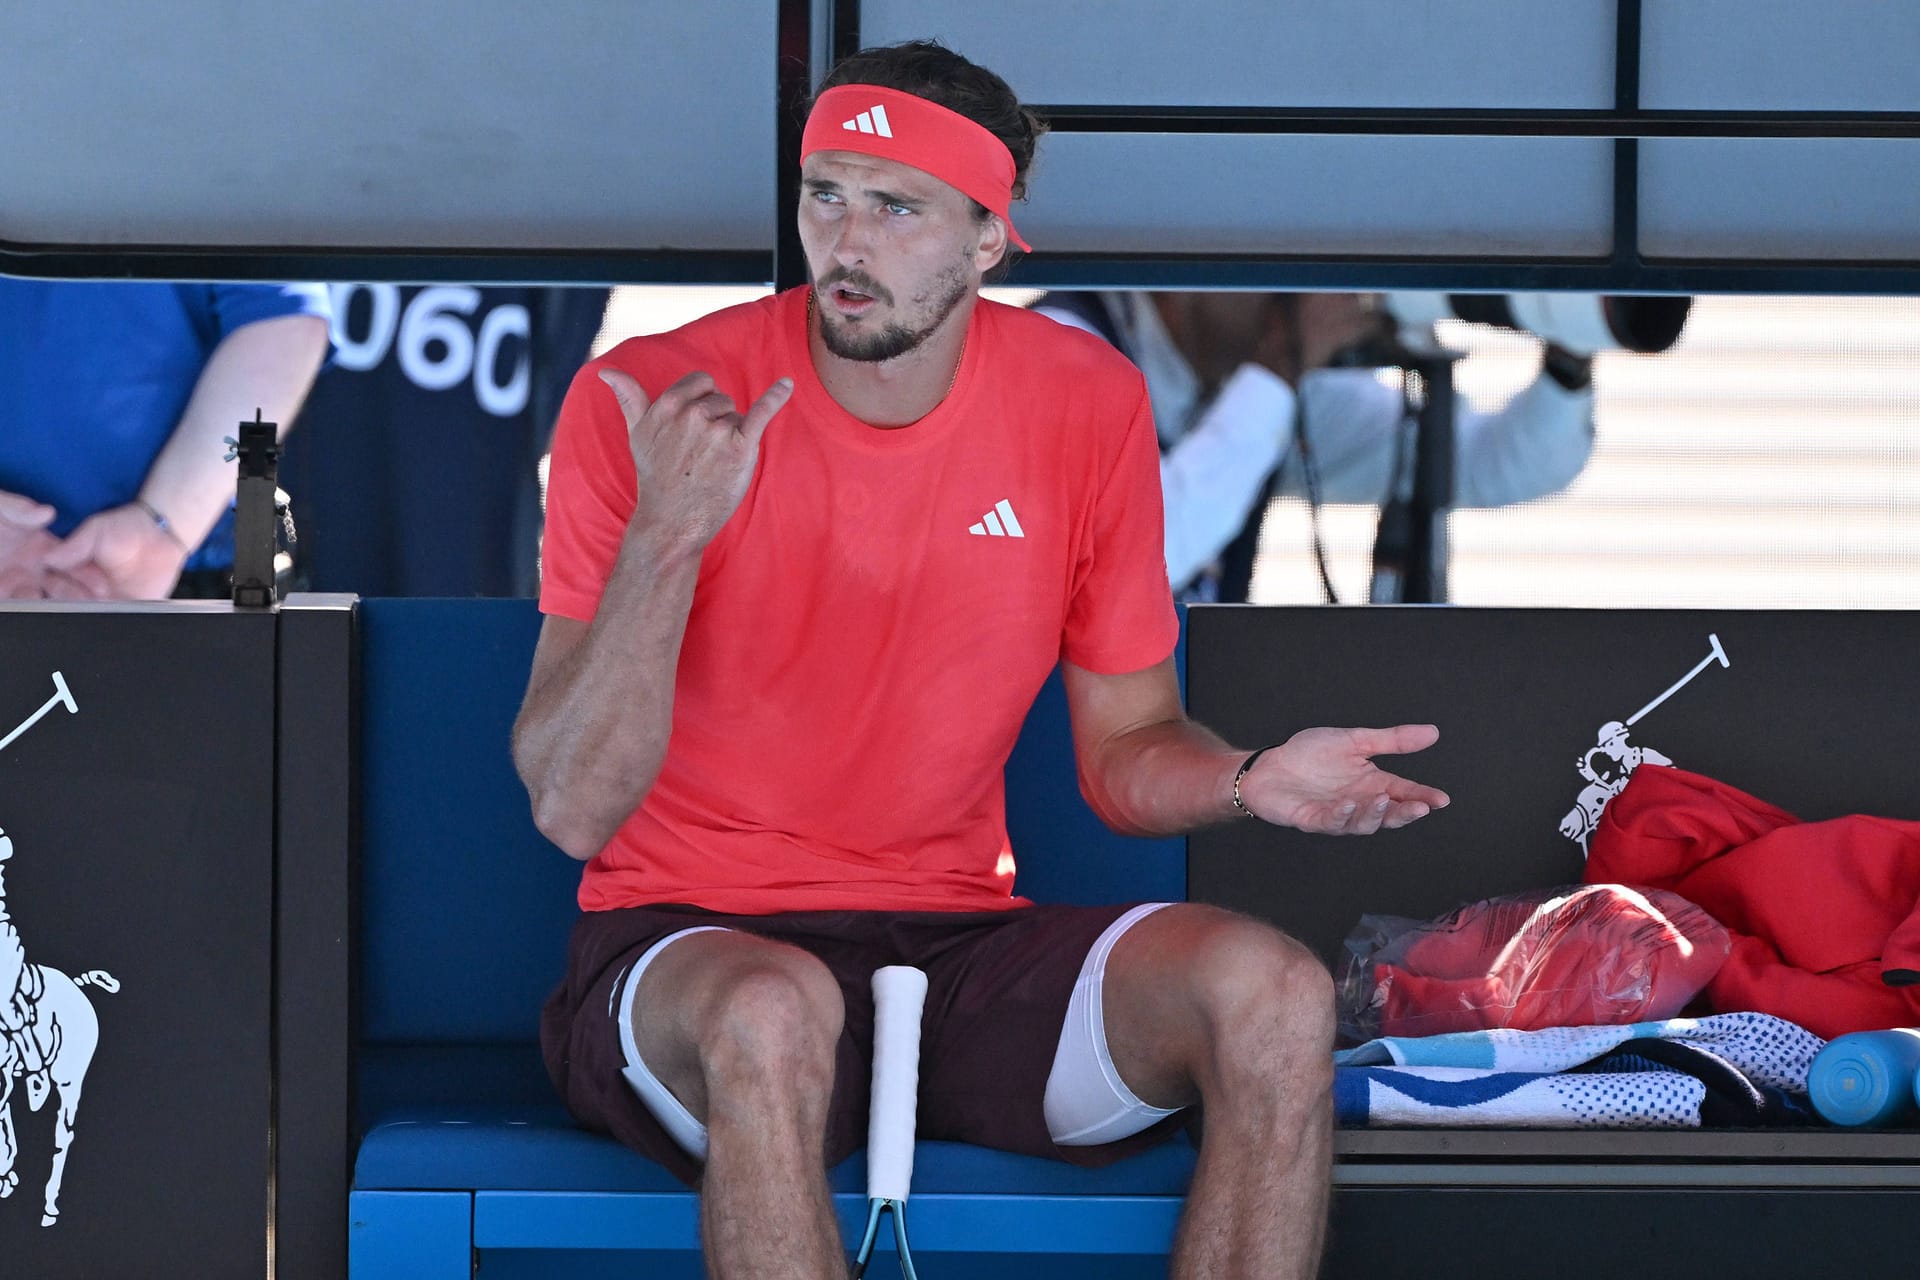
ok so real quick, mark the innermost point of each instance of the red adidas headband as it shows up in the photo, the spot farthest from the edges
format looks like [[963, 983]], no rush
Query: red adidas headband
[[899, 126]]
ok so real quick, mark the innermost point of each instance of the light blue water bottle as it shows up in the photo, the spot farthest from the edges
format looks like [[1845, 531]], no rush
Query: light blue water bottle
[[1867, 1077]]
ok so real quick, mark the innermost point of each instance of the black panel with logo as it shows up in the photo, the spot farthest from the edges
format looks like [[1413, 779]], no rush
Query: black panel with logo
[[1542, 716], [136, 797], [1540, 712]]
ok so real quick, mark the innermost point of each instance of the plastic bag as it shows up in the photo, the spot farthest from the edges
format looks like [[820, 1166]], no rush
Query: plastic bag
[[1581, 955]]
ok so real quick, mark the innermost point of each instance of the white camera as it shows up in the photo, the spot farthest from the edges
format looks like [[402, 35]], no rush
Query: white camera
[[1580, 322]]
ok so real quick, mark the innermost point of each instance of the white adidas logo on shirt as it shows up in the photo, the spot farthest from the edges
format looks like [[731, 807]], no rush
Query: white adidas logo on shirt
[[999, 523], [874, 121]]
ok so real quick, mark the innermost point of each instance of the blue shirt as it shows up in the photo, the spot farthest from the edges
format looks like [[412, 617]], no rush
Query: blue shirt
[[94, 378]]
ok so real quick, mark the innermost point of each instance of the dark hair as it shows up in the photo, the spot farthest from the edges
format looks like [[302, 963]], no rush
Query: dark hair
[[930, 70]]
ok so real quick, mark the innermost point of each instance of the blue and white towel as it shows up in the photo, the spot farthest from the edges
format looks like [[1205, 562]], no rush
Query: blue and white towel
[[1460, 1096], [1546, 1079]]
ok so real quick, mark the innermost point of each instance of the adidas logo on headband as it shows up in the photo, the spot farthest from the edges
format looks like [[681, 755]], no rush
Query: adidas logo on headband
[[874, 121], [959, 151]]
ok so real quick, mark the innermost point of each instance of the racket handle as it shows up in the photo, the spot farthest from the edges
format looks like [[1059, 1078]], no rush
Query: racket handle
[[899, 993]]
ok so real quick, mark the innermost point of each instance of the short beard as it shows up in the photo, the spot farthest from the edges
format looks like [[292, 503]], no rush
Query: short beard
[[896, 340]]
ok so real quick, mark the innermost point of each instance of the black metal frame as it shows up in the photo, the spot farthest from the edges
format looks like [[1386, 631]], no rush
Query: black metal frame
[[1624, 121], [316, 824], [400, 266], [1623, 269]]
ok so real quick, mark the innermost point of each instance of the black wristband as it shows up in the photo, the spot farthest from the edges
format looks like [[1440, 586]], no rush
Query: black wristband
[[1245, 765]]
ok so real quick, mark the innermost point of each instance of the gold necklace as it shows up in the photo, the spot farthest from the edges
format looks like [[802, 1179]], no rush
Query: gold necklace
[[952, 381]]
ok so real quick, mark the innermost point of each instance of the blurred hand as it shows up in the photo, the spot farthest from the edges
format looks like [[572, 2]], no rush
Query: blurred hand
[[119, 554], [24, 544], [1332, 322], [1305, 330]]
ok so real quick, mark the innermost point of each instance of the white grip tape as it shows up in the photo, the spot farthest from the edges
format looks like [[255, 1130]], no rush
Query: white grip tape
[[899, 994]]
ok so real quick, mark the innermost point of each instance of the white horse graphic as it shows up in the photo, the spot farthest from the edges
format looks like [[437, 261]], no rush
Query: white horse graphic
[[66, 1032], [48, 1030], [1608, 765]]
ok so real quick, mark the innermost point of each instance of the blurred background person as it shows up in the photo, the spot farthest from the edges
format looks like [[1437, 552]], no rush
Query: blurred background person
[[418, 471], [116, 399], [1247, 407]]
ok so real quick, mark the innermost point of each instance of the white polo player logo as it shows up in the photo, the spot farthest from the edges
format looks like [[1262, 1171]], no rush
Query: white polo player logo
[[1610, 762], [48, 1030]]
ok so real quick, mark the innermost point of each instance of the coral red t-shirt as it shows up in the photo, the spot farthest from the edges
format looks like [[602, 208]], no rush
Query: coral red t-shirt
[[870, 627]]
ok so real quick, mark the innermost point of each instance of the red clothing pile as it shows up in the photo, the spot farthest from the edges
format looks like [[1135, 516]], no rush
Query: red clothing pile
[[1599, 955], [1819, 911]]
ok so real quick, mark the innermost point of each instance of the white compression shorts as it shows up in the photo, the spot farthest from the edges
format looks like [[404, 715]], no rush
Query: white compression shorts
[[1087, 1103]]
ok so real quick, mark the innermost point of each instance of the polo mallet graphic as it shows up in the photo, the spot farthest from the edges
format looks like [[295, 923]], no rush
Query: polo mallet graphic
[[1611, 760], [899, 994], [62, 696], [1716, 654]]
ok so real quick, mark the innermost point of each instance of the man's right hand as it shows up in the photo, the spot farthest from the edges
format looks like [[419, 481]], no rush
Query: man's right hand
[[24, 543], [693, 451]]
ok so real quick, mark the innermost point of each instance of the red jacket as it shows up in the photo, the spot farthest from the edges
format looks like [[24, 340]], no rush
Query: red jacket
[[1818, 911]]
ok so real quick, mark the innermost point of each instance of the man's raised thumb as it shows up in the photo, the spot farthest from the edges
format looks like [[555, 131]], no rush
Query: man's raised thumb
[[633, 401], [771, 401]]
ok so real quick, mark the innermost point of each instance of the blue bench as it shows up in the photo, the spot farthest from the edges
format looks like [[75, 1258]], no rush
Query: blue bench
[[463, 916], [464, 910]]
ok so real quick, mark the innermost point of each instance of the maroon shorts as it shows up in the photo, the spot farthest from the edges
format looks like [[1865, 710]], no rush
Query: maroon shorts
[[998, 983]]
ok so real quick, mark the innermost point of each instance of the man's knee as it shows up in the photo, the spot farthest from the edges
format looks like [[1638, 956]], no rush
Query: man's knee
[[773, 1023], [1266, 998]]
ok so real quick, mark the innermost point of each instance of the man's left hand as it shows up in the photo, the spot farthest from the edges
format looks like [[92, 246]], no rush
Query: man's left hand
[[1325, 781], [119, 554]]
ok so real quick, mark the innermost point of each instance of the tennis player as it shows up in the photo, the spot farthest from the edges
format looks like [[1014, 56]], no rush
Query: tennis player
[[808, 561]]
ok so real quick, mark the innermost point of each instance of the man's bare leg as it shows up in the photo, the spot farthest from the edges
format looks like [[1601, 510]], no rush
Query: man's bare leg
[[1204, 1005], [743, 1032]]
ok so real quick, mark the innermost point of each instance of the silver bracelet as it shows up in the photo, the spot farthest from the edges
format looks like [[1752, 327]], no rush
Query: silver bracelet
[[160, 522]]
